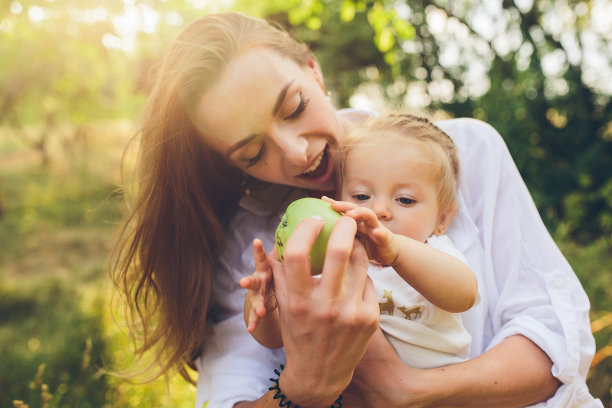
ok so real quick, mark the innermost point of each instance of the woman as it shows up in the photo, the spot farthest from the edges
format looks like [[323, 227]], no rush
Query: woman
[[238, 100]]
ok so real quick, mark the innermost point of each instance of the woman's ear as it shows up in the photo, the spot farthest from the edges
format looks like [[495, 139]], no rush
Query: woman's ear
[[313, 64], [445, 218]]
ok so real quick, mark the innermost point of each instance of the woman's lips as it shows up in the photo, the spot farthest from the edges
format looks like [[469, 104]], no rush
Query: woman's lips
[[319, 167]]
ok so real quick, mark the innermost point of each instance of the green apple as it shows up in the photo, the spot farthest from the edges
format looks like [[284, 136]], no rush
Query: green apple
[[296, 212]]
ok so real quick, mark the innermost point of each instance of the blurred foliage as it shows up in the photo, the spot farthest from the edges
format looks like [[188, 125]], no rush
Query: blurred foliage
[[30, 319], [538, 71], [537, 74], [592, 265], [59, 339]]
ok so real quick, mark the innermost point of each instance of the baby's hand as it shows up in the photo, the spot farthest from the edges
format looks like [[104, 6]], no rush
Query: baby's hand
[[261, 298], [381, 244]]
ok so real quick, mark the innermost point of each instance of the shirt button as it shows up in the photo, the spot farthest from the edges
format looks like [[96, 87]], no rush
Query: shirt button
[[559, 282]]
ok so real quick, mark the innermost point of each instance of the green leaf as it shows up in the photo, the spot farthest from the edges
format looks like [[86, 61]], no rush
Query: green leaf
[[377, 17], [385, 40], [313, 23], [299, 14], [391, 59], [347, 11], [403, 29]]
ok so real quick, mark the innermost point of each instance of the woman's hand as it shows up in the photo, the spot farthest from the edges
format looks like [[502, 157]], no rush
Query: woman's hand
[[326, 321], [381, 244]]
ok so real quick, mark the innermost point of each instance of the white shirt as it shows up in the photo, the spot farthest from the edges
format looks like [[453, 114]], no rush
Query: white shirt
[[525, 284]]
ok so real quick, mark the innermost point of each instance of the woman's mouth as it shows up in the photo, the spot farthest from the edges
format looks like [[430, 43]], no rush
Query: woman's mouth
[[319, 167]]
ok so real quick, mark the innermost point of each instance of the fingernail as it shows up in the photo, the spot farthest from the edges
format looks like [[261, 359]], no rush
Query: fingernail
[[317, 217]]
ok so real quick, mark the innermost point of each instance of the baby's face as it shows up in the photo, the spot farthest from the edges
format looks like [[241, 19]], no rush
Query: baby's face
[[397, 184]]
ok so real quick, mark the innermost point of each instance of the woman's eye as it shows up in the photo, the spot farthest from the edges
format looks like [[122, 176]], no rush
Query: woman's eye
[[300, 108], [361, 197], [406, 201], [250, 162]]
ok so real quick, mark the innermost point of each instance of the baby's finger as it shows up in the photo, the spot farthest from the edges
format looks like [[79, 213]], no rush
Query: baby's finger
[[260, 310], [329, 200], [247, 282], [364, 215], [341, 206], [380, 236], [253, 322], [259, 256]]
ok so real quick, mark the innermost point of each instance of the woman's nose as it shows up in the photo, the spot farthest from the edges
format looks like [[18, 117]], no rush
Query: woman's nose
[[292, 146], [381, 209]]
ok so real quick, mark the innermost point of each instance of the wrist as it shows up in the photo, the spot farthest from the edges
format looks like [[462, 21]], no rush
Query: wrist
[[396, 244], [299, 391], [432, 388]]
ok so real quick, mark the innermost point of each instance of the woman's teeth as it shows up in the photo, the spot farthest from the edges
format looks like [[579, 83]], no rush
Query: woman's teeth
[[315, 165]]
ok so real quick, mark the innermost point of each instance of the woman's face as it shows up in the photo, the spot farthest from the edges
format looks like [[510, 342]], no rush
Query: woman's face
[[271, 118]]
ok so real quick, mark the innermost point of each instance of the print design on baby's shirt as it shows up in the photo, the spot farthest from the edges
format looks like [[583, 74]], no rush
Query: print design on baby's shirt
[[388, 306]]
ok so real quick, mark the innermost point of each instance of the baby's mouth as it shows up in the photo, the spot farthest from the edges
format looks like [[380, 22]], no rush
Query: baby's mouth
[[319, 167]]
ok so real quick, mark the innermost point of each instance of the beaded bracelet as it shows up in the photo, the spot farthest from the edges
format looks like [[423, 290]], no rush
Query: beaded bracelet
[[284, 402]]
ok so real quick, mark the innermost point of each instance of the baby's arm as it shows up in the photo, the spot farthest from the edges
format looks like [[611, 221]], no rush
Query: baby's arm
[[260, 309], [444, 280], [441, 278]]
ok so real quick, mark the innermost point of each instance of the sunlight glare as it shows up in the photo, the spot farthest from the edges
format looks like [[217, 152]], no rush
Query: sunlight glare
[[216, 5], [112, 42], [89, 16], [134, 19], [37, 14], [16, 7], [174, 19], [6, 26]]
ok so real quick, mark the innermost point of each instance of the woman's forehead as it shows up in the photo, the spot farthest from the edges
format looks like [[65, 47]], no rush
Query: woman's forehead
[[246, 95]]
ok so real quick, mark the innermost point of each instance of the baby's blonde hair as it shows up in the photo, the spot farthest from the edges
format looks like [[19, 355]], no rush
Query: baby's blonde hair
[[403, 129]]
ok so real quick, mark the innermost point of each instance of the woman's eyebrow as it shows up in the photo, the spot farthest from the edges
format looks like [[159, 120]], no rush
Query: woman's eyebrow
[[239, 144], [279, 101], [281, 97]]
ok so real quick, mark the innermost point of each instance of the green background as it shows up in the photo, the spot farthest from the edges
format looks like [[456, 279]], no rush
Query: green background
[[74, 74]]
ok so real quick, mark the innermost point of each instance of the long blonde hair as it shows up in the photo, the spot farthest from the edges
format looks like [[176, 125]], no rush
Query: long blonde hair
[[174, 234]]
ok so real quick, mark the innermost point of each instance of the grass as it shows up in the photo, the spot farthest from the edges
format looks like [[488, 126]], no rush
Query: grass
[[593, 265], [56, 326]]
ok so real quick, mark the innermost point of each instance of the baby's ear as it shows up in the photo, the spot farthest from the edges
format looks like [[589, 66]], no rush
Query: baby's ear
[[445, 218]]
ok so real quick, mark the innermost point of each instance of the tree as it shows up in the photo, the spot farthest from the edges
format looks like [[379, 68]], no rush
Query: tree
[[57, 71]]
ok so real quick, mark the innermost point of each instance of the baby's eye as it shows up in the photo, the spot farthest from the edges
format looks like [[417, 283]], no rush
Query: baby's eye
[[361, 197], [405, 201]]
